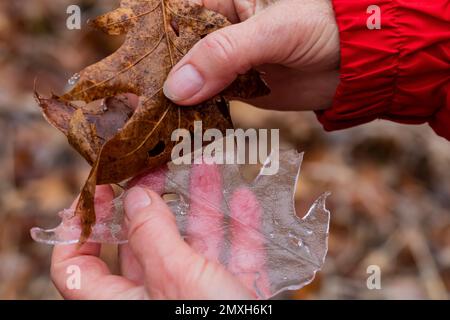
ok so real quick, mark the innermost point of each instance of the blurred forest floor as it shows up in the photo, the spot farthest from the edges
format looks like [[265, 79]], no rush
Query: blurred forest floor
[[390, 183]]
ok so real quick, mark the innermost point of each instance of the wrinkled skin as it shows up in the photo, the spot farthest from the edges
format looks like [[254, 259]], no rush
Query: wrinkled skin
[[296, 43]]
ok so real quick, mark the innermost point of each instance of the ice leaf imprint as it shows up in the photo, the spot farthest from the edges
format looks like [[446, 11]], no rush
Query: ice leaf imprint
[[292, 249], [158, 34]]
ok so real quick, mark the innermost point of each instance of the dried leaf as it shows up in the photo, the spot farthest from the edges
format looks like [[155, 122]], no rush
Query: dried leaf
[[158, 34]]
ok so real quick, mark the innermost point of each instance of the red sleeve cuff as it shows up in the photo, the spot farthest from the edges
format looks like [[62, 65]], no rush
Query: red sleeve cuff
[[400, 72]]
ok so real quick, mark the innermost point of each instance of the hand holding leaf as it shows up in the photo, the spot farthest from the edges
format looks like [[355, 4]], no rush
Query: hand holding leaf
[[158, 34]]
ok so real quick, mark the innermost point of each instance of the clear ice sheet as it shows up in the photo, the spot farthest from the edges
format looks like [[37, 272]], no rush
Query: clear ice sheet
[[259, 222]]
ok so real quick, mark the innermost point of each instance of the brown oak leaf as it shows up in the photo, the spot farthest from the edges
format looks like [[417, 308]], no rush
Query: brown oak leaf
[[118, 141]]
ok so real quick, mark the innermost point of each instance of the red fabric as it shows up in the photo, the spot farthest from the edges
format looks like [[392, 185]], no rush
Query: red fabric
[[400, 72]]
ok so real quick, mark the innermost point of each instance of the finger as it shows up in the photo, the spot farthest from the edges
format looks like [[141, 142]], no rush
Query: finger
[[224, 7], [95, 280], [247, 254], [103, 197], [129, 266], [88, 277], [205, 226], [171, 267], [154, 180], [153, 235], [132, 99], [215, 61]]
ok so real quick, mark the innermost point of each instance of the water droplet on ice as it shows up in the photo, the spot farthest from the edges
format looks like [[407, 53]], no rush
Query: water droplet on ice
[[74, 79], [103, 105], [182, 208]]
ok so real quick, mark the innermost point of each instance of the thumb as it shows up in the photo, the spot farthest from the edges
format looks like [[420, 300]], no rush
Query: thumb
[[215, 61], [172, 268], [153, 234]]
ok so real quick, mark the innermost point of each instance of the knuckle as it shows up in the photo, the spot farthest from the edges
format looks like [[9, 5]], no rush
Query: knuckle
[[195, 268], [221, 46], [141, 224]]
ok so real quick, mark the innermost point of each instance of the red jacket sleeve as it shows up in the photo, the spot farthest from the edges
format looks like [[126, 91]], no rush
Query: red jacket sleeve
[[399, 72]]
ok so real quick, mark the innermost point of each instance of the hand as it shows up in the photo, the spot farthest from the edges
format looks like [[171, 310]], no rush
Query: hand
[[296, 44], [157, 263]]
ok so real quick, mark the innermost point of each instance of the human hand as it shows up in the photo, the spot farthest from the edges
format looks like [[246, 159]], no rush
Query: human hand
[[295, 43], [157, 263]]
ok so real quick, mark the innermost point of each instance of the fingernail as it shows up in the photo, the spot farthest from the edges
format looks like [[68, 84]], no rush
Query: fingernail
[[136, 199], [183, 83]]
